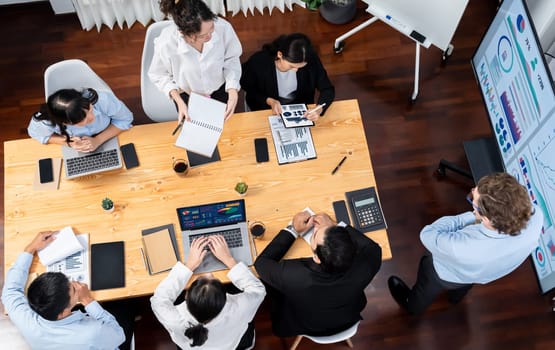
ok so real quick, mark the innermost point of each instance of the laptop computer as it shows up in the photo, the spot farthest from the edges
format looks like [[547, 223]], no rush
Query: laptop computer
[[104, 158], [225, 218]]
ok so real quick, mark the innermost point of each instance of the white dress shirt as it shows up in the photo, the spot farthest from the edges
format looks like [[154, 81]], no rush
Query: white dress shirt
[[226, 329], [466, 252], [177, 65]]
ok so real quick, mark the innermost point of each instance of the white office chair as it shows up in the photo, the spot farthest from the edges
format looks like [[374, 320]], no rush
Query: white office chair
[[11, 338], [330, 339], [72, 74], [156, 105]]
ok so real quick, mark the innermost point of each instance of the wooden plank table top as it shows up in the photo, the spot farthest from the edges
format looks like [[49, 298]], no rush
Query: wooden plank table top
[[147, 196]]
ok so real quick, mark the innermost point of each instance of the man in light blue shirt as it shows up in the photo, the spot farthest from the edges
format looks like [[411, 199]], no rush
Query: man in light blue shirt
[[473, 247], [45, 318]]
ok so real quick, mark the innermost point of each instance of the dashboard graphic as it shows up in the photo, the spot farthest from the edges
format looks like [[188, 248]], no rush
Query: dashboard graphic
[[519, 96]]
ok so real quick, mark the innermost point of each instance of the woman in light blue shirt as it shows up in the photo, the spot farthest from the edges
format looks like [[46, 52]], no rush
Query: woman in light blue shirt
[[83, 120]]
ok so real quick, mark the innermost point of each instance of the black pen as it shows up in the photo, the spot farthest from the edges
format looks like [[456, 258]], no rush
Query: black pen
[[338, 165], [178, 126]]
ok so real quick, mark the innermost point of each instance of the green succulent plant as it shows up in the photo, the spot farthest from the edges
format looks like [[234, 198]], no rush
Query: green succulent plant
[[107, 204]]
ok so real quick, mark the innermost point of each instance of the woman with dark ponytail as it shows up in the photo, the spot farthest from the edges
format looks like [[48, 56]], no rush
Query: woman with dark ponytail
[[286, 71], [83, 120], [209, 318], [198, 53]]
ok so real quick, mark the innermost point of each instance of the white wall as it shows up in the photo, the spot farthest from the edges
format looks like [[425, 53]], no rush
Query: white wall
[[543, 15]]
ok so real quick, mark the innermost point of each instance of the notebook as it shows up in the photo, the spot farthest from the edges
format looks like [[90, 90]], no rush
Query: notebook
[[225, 218], [106, 157], [160, 248], [202, 132], [107, 265]]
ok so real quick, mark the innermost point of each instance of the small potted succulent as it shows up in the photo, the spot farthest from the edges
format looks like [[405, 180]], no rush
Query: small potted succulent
[[241, 188], [108, 205]]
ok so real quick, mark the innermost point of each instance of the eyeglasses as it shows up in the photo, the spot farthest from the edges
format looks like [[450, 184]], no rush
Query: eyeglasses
[[470, 199]]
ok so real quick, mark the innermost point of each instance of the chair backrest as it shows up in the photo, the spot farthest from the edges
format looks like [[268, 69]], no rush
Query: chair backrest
[[336, 338], [71, 74], [156, 105]]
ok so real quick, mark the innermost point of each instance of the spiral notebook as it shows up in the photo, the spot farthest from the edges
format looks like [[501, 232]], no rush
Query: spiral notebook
[[202, 133]]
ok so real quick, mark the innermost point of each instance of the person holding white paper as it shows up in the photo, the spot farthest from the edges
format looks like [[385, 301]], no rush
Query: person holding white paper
[[198, 53], [45, 317]]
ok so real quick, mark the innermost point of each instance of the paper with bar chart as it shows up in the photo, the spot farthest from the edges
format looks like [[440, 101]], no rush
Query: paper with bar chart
[[292, 145]]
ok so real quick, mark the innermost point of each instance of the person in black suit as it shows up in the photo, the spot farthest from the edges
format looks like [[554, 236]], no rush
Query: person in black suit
[[286, 71], [324, 294]]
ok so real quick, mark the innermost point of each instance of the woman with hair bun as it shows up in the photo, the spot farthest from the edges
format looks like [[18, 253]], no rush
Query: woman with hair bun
[[197, 53], [286, 71], [83, 120]]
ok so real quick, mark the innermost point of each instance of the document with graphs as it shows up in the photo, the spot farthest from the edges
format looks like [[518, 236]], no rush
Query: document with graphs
[[76, 266], [202, 133], [292, 145]]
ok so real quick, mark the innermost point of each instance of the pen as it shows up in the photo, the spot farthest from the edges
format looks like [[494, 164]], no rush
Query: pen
[[144, 259], [338, 165], [178, 126], [316, 108]]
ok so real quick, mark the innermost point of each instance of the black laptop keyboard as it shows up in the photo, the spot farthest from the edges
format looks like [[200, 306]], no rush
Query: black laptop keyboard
[[92, 162], [232, 237]]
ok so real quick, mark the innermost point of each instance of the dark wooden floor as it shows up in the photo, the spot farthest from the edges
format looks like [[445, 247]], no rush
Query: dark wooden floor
[[405, 141]]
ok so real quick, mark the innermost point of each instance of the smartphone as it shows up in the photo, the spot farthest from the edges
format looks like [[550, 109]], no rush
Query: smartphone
[[261, 150], [341, 214], [129, 155], [46, 172]]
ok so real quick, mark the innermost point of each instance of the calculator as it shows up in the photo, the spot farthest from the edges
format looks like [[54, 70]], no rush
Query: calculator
[[365, 209]]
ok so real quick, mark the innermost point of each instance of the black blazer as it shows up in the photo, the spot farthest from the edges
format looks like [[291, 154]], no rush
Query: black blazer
[[307, 300], [259, 80]]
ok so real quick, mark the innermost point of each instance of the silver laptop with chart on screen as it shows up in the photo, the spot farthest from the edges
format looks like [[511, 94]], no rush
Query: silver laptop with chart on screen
[[104, 158], [223, 218]]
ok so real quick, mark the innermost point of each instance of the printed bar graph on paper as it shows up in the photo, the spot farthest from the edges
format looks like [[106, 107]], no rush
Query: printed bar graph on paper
[[293, 144]]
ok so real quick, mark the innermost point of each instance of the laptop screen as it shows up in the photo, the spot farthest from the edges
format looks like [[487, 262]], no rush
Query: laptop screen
[[211, 215]]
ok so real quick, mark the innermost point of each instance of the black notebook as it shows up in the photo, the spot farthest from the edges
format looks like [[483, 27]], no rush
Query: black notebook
[[196, 159], [107, 265]]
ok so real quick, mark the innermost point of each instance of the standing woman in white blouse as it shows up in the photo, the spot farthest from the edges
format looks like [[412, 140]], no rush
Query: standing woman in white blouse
[[198, 53]]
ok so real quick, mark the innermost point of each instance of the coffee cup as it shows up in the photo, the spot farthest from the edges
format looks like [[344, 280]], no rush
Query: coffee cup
[[257, 229], [180, 166]]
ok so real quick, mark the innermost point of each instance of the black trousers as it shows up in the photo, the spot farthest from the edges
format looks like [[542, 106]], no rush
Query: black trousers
[[219, 95], [428, 286]]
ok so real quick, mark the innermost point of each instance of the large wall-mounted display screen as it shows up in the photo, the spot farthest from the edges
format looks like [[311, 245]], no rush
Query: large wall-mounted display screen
[[519, 97]]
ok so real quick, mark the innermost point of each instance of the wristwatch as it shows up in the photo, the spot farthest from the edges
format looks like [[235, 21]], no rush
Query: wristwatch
[[292, 229]]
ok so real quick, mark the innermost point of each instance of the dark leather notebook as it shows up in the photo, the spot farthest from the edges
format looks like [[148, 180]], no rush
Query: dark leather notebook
[[107, 265], [197, 159]]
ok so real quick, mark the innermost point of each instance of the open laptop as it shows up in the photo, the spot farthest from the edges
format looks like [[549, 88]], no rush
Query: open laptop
[[225, 218], [104, 158]]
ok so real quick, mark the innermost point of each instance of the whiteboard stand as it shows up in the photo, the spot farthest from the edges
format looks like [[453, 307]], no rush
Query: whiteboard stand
[[426, 22]]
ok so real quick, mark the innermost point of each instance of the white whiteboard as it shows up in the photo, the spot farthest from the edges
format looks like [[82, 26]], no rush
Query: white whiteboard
[[437, 20]]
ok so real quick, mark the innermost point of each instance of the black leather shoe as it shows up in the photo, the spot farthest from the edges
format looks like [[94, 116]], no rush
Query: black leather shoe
[[399, 290]]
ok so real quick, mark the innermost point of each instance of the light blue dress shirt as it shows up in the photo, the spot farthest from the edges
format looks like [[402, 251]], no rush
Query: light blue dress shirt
[[107, 110], [97, 329], [466, 252]]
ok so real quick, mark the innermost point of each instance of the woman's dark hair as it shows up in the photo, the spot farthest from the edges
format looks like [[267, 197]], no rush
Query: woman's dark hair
[[67, 106], [294, 47], [188, 15], [48, 295], [205, 299]]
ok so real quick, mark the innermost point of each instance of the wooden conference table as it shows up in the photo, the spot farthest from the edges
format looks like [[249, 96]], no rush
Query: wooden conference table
[[147, 196]]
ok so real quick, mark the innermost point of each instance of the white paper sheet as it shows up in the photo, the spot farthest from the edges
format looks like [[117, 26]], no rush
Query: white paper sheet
[[63, 245]]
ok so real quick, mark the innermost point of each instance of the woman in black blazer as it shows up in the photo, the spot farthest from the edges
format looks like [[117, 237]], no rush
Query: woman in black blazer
[[286, 71]]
